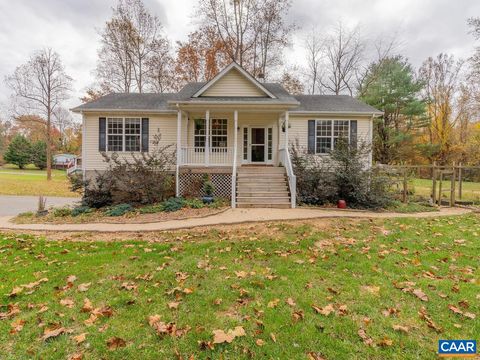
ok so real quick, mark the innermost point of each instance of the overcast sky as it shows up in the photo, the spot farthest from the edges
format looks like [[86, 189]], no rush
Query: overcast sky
[[424, 27]]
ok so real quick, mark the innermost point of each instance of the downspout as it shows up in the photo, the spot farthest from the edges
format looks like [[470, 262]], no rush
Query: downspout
[[179, 149], [84, 172]]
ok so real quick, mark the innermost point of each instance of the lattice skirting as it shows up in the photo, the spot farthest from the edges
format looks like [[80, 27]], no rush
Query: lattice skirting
[[191, 184]]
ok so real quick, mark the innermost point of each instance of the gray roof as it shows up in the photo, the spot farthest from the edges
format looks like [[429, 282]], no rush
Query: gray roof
[[333, 103], [164, 102]]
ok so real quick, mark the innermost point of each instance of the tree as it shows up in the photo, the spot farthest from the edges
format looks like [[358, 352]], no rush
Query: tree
[[394, 90], [38, 154], [18, 152], [343, 53], [291, 83], [39, 86], [441, 76], [251, 30], [313, 46], [132, 49]]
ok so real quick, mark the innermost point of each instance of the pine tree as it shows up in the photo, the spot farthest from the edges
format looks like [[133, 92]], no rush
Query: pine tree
[[19, 152], [39, 154]]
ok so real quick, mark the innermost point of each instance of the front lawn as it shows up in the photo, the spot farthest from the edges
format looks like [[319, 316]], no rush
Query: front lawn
[[14, 181], [382, 289]]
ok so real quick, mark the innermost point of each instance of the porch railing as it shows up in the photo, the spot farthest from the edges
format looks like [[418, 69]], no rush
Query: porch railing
[[197, 156], [292, 179]]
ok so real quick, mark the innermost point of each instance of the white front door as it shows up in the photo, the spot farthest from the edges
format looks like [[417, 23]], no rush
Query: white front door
[[257, 145]]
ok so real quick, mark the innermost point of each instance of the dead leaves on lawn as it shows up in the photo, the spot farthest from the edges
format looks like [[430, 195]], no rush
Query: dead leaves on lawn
[[220, 336], [163, 329]]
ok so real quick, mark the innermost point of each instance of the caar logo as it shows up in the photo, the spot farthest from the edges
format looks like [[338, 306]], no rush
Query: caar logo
[[463, 348]]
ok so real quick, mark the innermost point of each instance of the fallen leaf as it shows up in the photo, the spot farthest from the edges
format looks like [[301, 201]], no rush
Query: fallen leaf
[[87, 305], [83, 287], [68, 302], [260, 342], [325, 310], [173, 305], [371, 289], [314, 356], [290, 302], [80, 338], [273, 303], [71, 278], [220, 336], [366, 339], [420, 294], [115, 342], [54, 332], [76, 356], [273, 337], [16, 326], [385, 342], [241, 274], [402, 328], [13, 309]]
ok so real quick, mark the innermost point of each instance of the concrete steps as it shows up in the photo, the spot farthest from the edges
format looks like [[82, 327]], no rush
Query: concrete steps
[[262, 187]]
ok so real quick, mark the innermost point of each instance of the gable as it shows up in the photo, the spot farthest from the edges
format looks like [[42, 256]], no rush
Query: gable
[[234, 84]]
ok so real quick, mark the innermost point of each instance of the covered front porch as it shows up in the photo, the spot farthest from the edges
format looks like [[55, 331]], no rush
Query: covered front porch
[[216, 140]]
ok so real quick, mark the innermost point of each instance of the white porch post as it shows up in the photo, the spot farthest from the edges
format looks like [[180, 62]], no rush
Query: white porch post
[[286, 130], [207, 137], [234, 167], [179, 153]]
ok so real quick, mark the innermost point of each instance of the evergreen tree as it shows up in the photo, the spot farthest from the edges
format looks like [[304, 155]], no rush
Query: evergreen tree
[[39, 154], [19, 152], [390, 86]]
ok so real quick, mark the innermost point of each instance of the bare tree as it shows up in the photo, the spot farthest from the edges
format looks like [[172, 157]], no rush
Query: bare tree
[[132, 47], [313, 46], [39, 87], [251, 30], [343, 54]]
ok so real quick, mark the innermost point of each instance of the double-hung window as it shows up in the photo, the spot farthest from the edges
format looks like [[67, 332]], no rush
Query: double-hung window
[[328, 132], [217, 134], [124, 134]]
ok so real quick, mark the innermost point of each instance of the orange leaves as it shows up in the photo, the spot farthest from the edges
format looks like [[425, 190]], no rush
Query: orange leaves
[[54, 331], [13, 309], [17, 290], [340, 310], [220, 336], [84, 287], [16, 326], [115, 342], [457, 311], [420, 294], [163, 328], [67, 302]]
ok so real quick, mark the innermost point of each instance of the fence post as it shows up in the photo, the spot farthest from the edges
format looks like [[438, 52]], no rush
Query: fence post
[[452, 187], [405, 184], [434, 183], [460, 186], [440, 189]]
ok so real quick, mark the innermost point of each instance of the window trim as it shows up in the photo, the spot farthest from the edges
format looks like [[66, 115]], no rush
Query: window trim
[[332, 134], [123, 134]]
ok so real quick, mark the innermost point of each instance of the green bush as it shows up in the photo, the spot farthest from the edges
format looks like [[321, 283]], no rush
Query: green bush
[[173, 204], [79, 210], [62, 212], [119, 210], [194, 203], [151, 209]]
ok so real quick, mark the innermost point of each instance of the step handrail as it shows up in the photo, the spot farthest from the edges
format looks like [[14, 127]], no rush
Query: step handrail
[[292, 179]]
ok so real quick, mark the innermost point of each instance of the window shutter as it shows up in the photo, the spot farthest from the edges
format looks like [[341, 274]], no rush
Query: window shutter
[[311, 136], [145, 137], [353, 133], [102, 136]]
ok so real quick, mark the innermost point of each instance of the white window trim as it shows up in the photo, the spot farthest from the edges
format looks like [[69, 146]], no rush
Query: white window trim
[[123, 134], [209, 133], [332, 136]]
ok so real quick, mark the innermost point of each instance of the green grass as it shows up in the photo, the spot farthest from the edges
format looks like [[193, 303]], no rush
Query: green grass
[[411, 207], [335, 264], [470, 189], [14, 181]]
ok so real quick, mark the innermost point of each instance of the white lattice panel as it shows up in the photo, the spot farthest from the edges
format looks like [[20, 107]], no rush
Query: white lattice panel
[[191, 184]]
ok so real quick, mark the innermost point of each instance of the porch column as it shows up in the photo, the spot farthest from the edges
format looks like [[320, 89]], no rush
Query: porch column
[[286, 130], [207, 137], [179, 152], [234, 166]]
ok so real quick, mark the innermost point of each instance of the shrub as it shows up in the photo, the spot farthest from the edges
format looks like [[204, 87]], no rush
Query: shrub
[[142, 178], [119, 210], [62, 212], [173, 204], [151, 209], [208, 187], [342, 175], [79, 210], [194, 203]]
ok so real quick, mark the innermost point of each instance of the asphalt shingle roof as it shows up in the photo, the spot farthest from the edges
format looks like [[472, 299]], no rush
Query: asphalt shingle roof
[[160, 102]]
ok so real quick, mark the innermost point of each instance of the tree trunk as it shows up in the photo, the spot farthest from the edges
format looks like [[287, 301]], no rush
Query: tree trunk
[[49, 144]]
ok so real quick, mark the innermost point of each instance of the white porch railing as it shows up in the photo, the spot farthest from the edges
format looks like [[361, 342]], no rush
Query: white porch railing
[[284, 155], [216, 156]]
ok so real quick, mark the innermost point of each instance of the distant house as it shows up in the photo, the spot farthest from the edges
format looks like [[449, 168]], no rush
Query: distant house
[[232, 127], [63, 161]]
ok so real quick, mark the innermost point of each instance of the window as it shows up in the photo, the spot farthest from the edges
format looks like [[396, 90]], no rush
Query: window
[[124, 134], [269, 143], [218, 134], [328, 132]]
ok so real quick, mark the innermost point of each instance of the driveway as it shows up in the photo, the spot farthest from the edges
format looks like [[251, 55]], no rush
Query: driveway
[[11, 205]]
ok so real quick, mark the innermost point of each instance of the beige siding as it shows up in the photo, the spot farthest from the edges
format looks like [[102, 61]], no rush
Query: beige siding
[[165, 125], [234, 83]]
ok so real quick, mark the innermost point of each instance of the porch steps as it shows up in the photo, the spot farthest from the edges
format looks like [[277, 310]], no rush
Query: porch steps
[[262, 187]]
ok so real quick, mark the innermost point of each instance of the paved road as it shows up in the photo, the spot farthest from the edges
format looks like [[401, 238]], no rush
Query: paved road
[[12, 205]]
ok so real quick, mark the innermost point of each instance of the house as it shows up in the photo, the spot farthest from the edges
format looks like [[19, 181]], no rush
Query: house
[[62, 161], [232, 127]]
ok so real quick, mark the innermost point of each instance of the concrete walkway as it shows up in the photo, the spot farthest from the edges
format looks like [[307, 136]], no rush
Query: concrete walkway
[[15, 204], [230, 216]]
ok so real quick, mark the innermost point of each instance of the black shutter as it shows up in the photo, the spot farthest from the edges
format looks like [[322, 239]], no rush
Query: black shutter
[[311, 136], [353, 133], [102, 134], [145, 139]]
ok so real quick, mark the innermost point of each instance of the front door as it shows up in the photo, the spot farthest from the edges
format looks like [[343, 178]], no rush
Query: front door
[[257, 145]]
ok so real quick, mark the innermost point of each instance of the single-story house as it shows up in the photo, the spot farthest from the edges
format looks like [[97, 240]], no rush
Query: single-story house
[[232, 127], [63, 161]]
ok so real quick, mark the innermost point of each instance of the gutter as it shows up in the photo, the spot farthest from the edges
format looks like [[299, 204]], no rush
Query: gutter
[[353, 113], [148, 111]]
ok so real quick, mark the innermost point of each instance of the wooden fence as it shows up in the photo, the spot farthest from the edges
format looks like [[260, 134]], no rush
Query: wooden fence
[[445, 182]]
